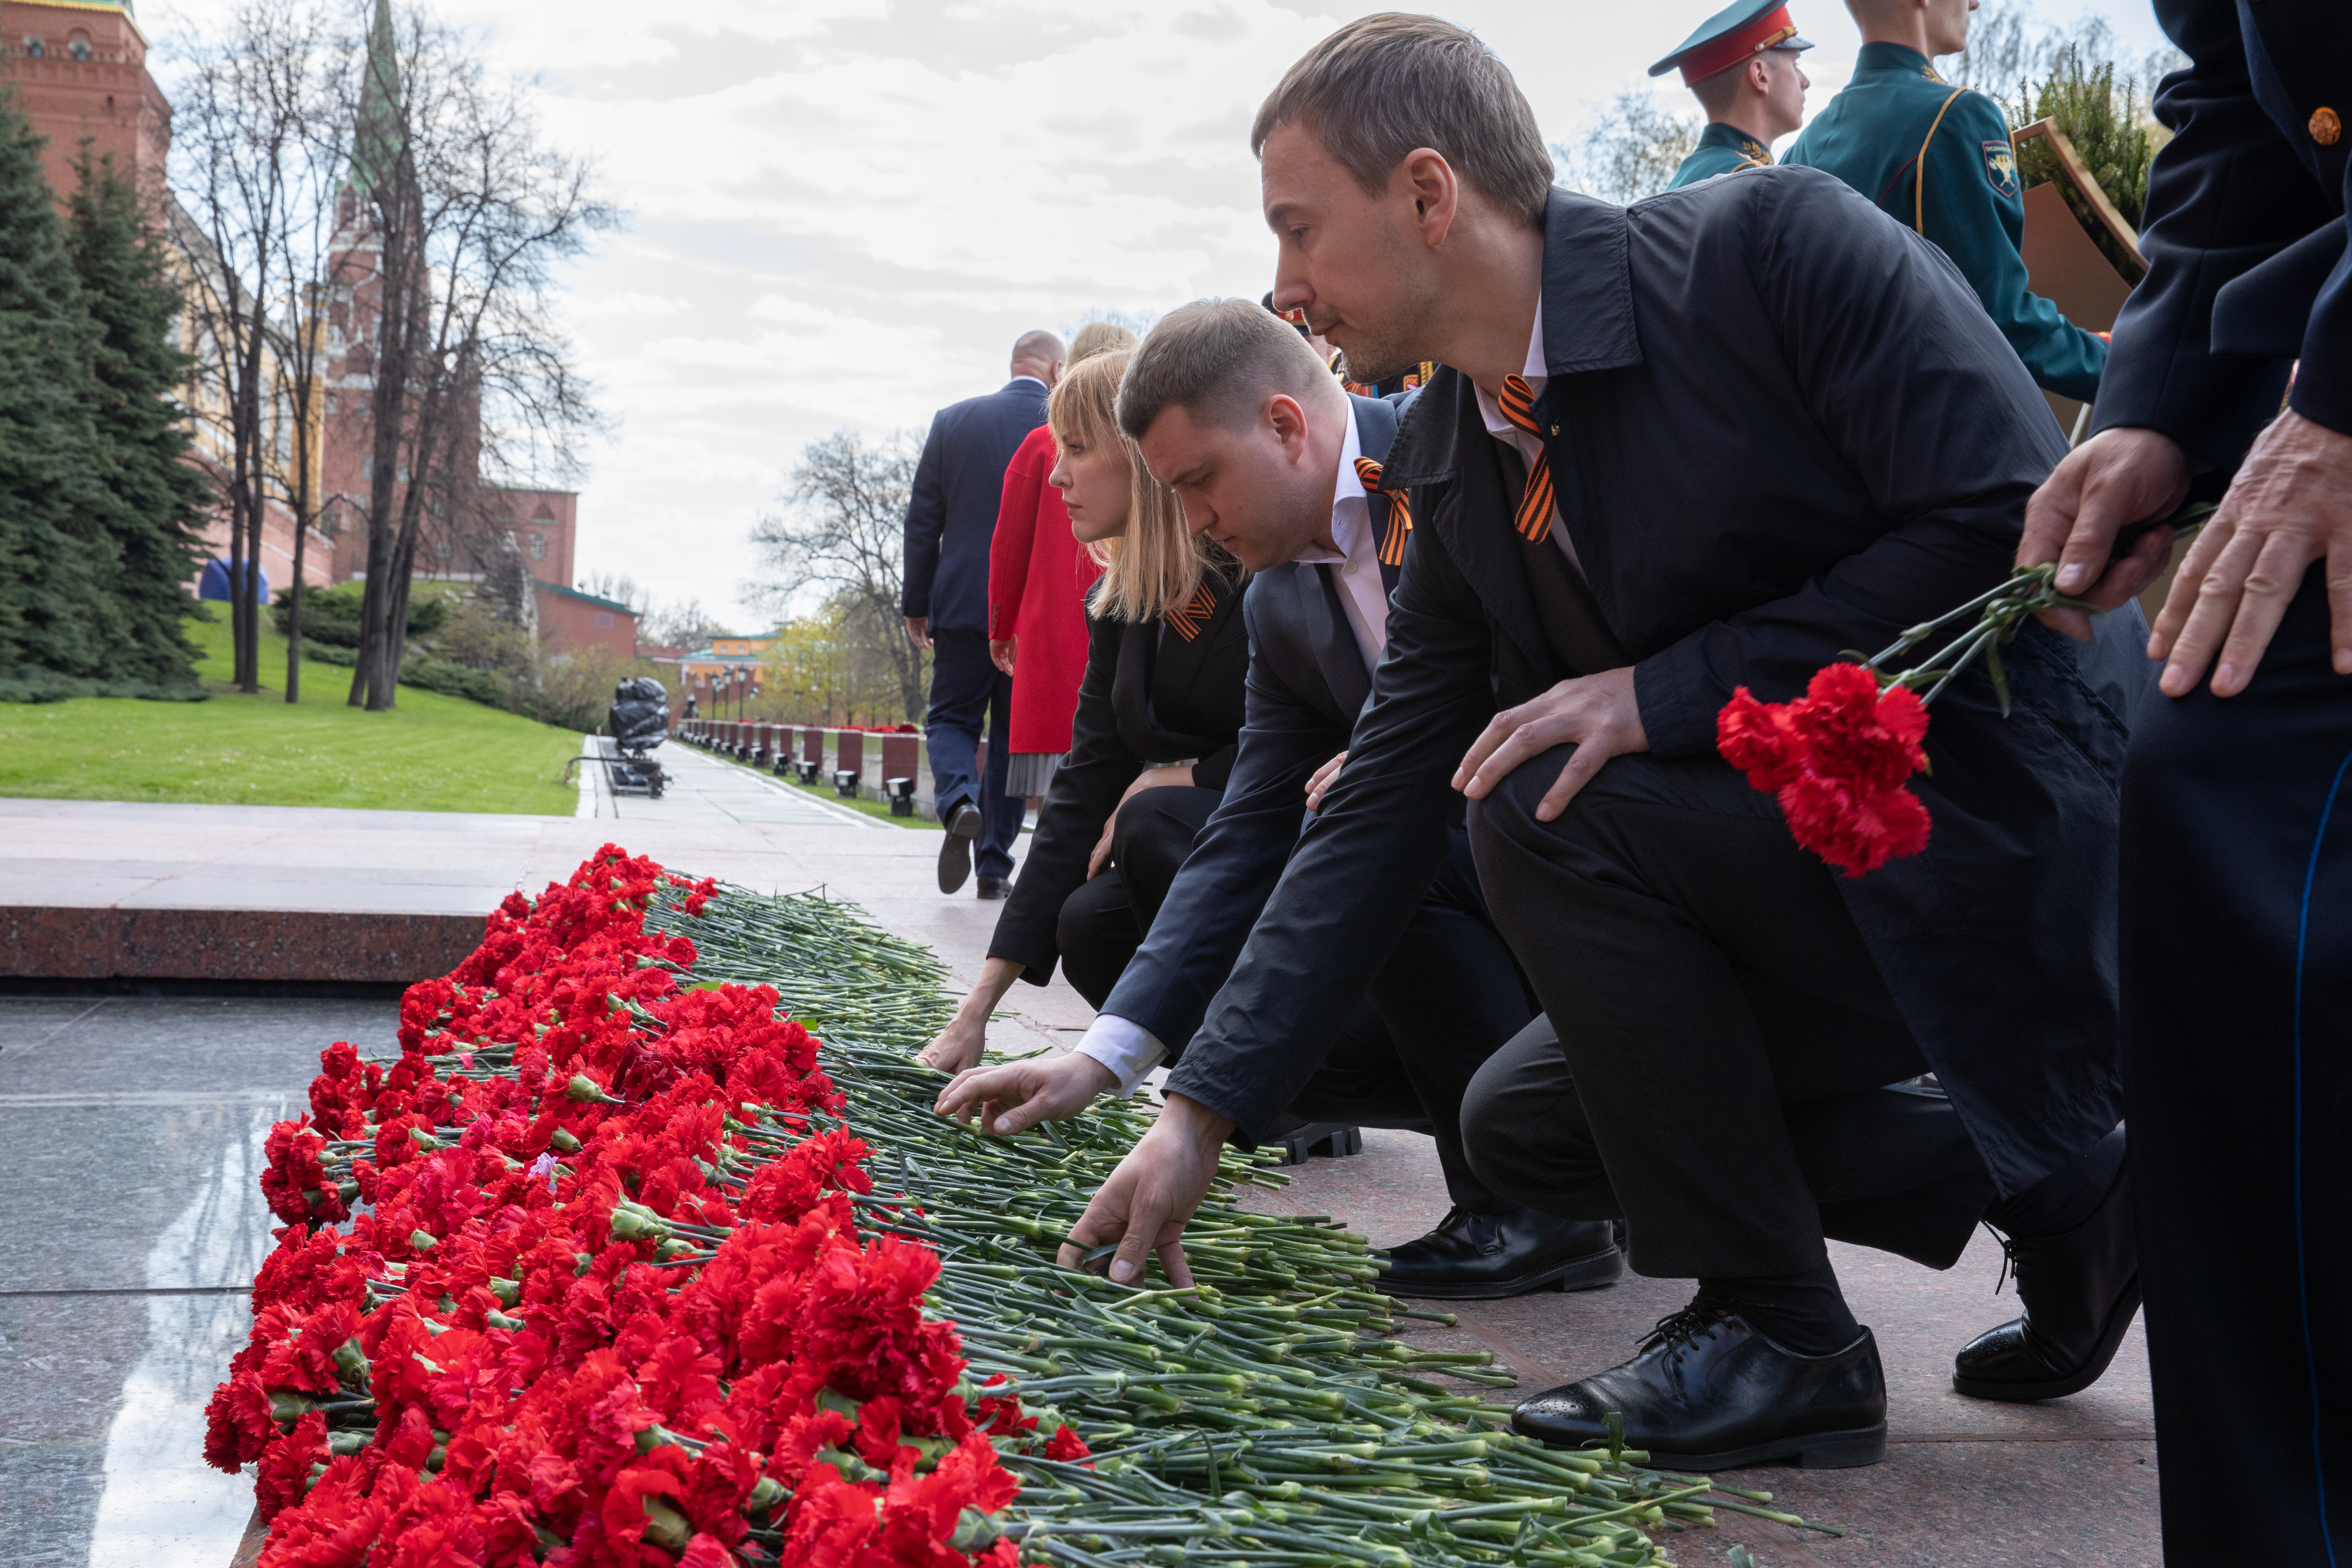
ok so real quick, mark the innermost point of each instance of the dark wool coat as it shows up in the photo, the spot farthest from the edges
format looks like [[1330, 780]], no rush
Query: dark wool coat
[[1781, 426]]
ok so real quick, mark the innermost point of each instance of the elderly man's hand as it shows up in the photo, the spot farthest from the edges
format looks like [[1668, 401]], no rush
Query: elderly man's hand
[[2116, 479], [1597, 713], [2290, 505]]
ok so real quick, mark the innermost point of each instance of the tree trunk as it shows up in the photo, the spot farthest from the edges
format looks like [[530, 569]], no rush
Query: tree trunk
[[302, 504]]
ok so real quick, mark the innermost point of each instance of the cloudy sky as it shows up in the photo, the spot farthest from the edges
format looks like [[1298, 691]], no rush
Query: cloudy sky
[[844, 211]]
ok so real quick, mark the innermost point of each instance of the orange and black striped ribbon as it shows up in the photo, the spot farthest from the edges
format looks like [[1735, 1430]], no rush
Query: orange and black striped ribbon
[[1187, 620], [1367, 471], [1518, 406]]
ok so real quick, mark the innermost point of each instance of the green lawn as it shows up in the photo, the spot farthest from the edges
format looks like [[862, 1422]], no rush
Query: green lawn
[[430, 754]]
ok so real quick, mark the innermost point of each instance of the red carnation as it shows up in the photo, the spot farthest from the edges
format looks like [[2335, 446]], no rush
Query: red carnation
[[1067, 1445], [1836, 758]]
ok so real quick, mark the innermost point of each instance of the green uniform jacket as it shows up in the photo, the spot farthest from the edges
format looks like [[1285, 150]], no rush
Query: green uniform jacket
[[1721, 149], [1869, 136]]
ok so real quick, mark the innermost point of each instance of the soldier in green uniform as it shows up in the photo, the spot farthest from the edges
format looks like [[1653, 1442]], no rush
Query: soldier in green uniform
[[1897, 118], [1742, 64]]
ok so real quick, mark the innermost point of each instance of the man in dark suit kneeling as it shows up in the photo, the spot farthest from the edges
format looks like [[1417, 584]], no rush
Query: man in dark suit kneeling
[[1283, 468], [1705, 442]]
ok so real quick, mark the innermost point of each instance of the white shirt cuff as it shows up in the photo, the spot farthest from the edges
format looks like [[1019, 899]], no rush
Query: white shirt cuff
[[1126, 1048]]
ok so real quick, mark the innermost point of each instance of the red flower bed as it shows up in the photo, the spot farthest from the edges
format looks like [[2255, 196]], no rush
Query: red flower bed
[[515, 1354]]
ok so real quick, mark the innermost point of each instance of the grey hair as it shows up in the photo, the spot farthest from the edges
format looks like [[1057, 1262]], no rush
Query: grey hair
[[1384, 85], [1219, 360]]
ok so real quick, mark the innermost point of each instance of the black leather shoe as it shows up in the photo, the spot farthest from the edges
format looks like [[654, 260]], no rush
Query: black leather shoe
[[2080, 1289], [994, 887], [1483, 1258], [1709, 1392], [955, 854]]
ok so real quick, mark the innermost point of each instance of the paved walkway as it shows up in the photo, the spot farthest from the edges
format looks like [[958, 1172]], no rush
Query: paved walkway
[[704, 788], [115, 1316]]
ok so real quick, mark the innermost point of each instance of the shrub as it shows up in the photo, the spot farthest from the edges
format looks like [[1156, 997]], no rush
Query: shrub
[[2106, 121]]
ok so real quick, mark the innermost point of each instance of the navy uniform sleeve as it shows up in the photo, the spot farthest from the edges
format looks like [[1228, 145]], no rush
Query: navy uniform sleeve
[[2224, 194], [1976, 211], [927, 517]]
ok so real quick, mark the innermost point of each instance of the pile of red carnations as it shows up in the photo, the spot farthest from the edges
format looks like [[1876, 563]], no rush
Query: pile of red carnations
[[517, 1352]]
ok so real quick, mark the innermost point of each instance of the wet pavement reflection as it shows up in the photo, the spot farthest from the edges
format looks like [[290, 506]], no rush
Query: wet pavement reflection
[[131, 1134]]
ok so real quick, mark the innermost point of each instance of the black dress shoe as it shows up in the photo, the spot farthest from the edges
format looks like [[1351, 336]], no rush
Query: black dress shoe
[[955, 854], [994, 887], [1709, 1392], [1483, 1258], [2080, 1289]]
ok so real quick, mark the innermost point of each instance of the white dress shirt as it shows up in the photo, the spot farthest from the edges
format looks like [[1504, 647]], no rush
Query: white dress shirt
[[1537, 374], [1358, 557], [1128, 1050]]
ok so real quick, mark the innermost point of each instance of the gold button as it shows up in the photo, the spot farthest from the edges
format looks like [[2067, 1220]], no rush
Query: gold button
[[2325, 127]]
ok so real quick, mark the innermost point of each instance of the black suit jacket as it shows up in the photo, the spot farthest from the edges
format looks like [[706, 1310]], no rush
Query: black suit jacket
[[1779, 425], [1308, 684], [1150, 695], [952, 508], [2248, 268]]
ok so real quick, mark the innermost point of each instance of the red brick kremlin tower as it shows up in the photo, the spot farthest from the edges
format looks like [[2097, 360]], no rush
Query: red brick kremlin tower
[[543, 521], [80, 69]]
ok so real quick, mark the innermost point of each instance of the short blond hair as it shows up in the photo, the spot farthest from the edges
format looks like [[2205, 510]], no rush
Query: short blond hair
[[1157, 563]]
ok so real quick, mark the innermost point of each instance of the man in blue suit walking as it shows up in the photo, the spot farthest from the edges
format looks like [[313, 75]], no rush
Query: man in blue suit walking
[[951, 520]]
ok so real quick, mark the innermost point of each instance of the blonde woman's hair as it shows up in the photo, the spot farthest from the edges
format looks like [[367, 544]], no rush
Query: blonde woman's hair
[[1099, 338], [1157, 565]]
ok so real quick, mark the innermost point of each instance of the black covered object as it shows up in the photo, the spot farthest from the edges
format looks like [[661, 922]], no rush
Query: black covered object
[[639, 718]]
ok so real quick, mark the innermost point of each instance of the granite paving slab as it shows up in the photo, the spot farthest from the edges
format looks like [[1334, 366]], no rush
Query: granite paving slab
[[1965, 1482], [131, 1134]]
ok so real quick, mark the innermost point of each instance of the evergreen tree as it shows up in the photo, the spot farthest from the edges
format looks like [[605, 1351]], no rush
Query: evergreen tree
[[55, 559], [153, 497]]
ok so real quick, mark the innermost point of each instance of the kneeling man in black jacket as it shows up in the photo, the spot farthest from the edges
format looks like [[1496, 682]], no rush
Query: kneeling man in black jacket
[[1282, 467], [1707, 441]]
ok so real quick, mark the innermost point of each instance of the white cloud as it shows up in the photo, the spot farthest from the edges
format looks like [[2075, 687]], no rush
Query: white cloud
[[844, 211]]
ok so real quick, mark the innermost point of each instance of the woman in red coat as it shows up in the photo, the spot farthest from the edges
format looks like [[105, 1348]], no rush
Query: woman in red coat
[[1037, 581]]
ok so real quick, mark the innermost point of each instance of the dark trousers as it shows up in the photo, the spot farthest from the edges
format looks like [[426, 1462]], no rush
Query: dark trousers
[[1445, 1001], [967, 691], [2237, 1006], [1719, 1038]]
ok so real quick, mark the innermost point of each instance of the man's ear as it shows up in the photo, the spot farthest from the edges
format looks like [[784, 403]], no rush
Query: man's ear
[[1288, 420], [1435, 191]]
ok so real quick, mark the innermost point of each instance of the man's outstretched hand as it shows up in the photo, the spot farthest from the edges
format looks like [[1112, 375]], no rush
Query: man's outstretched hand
[[2290, 505], [1149, 1199], [2116, 479], [1013, 1097]]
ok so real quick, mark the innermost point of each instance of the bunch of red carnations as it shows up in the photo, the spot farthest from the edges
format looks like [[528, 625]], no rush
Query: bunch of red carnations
[[514, 1356], [1840, 758]]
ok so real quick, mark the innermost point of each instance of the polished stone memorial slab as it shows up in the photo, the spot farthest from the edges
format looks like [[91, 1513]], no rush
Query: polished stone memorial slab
[[131, 1132]]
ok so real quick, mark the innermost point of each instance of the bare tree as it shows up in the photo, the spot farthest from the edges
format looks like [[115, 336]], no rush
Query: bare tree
[[1628, 150], [682, 625], [2010, 50], [840, 536], [470, 212], [255, 204], [619, 588]]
